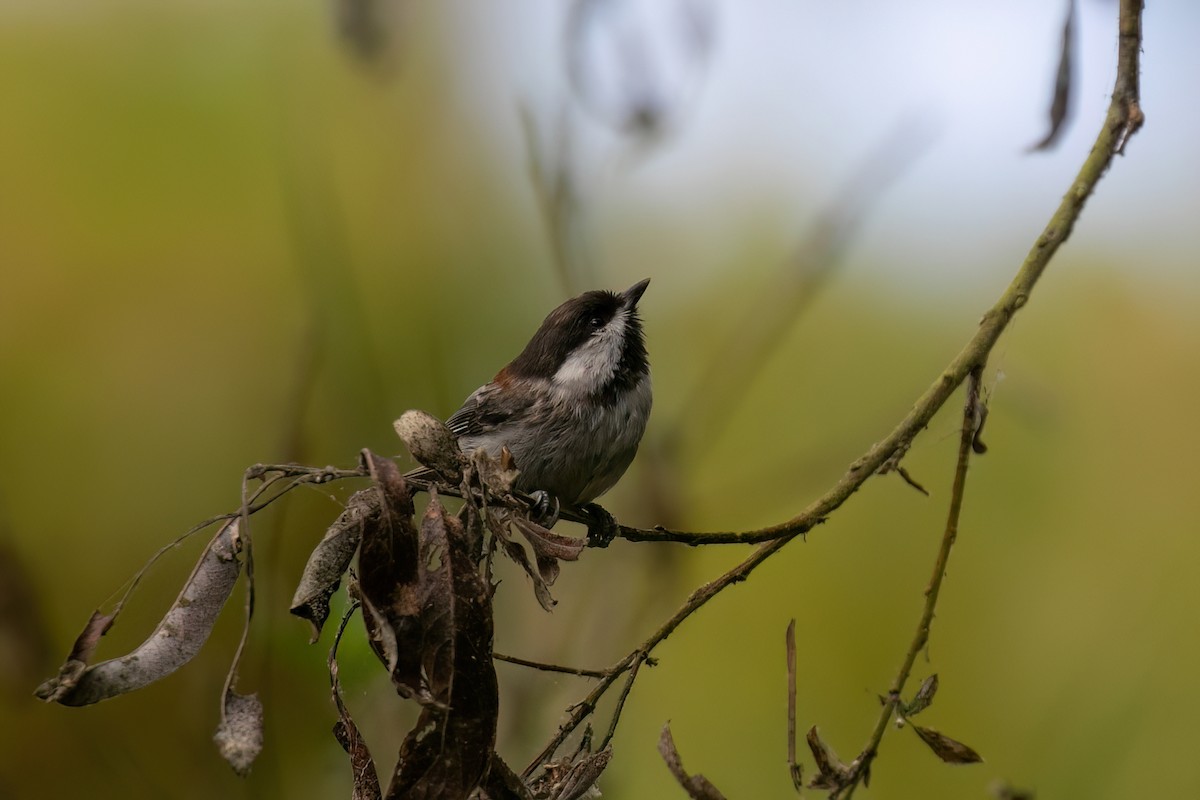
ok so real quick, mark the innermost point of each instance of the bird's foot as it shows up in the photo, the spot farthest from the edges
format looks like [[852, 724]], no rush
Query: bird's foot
[[602, 526], [544, 510]]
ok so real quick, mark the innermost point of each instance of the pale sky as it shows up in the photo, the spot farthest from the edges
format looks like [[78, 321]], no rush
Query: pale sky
[[797, 94]]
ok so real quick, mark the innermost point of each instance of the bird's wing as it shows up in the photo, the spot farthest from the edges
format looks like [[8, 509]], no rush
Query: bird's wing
[[487, 409], [466, 421], [485, 412]]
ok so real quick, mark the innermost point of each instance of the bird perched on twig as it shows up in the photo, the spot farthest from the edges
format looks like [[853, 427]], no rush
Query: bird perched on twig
[[573, 406]]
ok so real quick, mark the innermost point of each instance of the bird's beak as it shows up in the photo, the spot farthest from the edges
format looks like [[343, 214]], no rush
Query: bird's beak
[[634, 293]]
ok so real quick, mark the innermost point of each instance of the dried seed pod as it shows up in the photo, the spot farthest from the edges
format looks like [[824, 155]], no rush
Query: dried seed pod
[[431, 443]]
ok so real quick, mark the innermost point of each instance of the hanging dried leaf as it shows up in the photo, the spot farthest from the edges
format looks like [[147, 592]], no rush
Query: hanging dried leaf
[[697, 786], [366, 780], [549, 547], [390, 580], [547, 543], [504, 784], [239, 737], [831, 772], [517, 553], [499, 527], [81, 653], [1060, 105], [362, 766], [447, 753], [923, 698], [949, 750], [175, 641], [330, 559]]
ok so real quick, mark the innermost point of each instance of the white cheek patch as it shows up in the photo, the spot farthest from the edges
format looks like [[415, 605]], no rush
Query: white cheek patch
[[593, 363]]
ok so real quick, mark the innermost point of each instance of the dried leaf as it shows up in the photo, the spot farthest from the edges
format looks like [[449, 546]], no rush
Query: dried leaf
[[978, 447], [541, 591], [448, 752], [497, 475], [831, 772], [517, 553], [504, 784], [910, 480], [548, 548], [330, 559], [81, 652], [1060, 105], [697, 786], [366, 779], [239, 737], [431, 443], [923, 698], [949, 750], [581, 776], [547, 542], [175, 641], [85, 644], [390, 579]]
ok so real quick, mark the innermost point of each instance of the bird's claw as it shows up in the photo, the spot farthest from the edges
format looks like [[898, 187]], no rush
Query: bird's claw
[[545, 508], [602, 526]]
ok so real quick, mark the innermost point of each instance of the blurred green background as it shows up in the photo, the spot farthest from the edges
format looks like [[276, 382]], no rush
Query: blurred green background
[[225, 238]]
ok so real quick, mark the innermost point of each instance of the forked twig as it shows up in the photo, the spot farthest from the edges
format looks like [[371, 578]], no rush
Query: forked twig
[[861, 767], [1124, 118]]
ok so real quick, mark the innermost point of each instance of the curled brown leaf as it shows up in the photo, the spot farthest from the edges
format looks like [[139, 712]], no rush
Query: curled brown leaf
[[362, 765], [949, 750], [331, 557], [923, 697], [516, 553], [448, 751], [175, 641]]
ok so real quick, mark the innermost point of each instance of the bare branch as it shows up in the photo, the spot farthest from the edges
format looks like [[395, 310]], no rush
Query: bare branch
[[544, 667], [1124, 118], [698, 787], [862, 764], [793, 765]]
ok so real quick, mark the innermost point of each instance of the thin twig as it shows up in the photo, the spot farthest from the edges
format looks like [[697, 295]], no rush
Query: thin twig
[[616, 716], [133, 582], [793, 765], [1124, 118], [583, 673], [578, 713], [862, 765], [248, 555]]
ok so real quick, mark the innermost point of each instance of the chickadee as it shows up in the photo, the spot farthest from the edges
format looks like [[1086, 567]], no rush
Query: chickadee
[[572, 407]]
